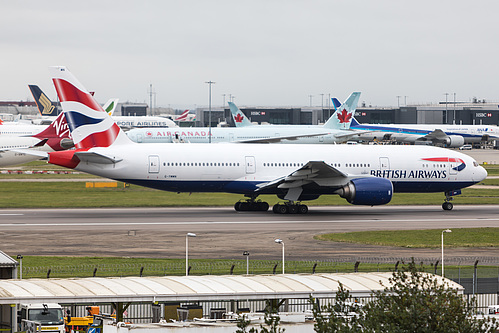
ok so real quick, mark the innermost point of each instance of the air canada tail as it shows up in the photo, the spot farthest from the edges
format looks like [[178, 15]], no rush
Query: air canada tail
[[89, 124], [45, 106], [343, 115], [239, 118]]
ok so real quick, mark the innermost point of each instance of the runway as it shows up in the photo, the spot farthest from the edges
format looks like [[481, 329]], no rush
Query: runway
[[224, 233]]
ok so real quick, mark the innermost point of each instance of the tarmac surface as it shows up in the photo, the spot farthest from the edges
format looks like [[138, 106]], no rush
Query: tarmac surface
[[223, 233]]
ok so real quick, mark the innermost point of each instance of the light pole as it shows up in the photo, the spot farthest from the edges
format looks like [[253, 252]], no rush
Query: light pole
[[279, 241], [20, 258], [209, 112], [246, 254], [446, 230], [189, 234]]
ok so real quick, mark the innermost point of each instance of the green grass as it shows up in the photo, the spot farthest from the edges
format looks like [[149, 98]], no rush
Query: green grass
[[67, 267], [472, 237], [74, 194]]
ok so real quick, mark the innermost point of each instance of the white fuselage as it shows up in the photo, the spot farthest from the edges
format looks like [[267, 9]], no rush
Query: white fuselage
[[309, 134], [242, 168], [143, 121], [8, 158], [411, 133]]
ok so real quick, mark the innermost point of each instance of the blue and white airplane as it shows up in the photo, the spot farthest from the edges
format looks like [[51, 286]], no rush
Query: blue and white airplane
[[450, 136], [335, 130], [363, 175]]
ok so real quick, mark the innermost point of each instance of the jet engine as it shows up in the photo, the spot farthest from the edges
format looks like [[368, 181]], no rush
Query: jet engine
[[66, 143], [454, 141], [367, 191]]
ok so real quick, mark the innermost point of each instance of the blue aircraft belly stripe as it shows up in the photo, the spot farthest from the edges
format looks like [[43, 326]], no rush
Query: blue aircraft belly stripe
[[246, 187], [407, 130]]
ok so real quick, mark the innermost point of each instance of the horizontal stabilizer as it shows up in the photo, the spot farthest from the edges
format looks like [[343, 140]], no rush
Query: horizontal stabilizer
[[32, 152], [94, 157]]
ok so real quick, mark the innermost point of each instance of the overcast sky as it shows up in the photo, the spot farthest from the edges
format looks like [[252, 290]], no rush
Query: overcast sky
[[264, 52]]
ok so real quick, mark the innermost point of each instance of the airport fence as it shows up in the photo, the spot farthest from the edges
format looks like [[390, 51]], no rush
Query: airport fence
[[478, 276]]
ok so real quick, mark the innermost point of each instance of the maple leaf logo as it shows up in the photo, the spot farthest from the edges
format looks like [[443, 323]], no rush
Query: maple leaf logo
[[148, 133], [344, 116], [238, 118]]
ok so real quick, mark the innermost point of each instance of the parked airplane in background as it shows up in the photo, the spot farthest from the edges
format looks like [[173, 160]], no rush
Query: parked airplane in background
[[331, 132], [364, 175], [185, 116], [53, 137], [341, 119], [450, 136], [49, 109]]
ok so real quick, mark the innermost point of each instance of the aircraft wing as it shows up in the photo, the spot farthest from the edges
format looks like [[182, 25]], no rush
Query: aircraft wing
[[313, 174], [94, 157], [437, 135], [28, 151], [275, 139], [351, 134]]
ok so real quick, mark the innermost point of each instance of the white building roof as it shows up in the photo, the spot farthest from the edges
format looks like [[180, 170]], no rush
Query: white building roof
[[192, 288], [6, 261]]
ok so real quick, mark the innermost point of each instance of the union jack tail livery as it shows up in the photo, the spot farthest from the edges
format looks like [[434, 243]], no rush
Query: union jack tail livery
[[342, 117], [183, 116], [89, 124]]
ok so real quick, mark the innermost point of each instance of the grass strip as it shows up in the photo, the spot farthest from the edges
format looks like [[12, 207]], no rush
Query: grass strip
[[71, 267], [469, 237]]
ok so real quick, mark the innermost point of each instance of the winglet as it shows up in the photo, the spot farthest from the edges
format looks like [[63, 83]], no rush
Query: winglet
[[336, 103], [239, 118], [343, 115]]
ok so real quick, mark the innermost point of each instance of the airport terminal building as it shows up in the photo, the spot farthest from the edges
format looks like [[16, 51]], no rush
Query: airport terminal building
[[459, 113]]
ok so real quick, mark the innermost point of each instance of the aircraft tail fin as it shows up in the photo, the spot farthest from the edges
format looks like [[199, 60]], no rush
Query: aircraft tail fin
[[239, 118], [343, 115], [110, 106], [89, 124], [183, 116], [45, 106], [336, 103], [57, 134]]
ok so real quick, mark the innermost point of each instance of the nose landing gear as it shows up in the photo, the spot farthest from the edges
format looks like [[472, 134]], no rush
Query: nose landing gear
[[447, 205]]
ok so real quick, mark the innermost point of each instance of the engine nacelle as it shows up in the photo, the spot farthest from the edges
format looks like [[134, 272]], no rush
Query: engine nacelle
[[454, 141], [367, 191]]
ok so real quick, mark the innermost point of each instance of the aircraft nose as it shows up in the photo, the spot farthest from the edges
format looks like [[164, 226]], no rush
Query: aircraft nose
[[480, 174]]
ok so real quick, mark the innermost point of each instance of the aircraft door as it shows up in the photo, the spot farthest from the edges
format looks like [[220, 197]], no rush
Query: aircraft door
[[250, 164], [153, 164], [231, 137], [453, 166], [139, 138], [384, 163]]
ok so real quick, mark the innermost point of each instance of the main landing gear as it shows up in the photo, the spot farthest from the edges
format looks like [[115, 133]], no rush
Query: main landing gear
[[290, 208], [447, 205], [251, 205]]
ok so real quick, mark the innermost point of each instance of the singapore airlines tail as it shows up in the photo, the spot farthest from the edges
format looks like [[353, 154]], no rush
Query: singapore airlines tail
[[45, 106], [90, 125]]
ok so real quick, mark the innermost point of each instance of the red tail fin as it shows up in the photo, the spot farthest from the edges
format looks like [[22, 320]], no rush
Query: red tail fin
[[57, 134]]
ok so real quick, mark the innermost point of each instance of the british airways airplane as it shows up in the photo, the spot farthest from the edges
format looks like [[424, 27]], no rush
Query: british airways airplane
[[363, 175], [335, 130]]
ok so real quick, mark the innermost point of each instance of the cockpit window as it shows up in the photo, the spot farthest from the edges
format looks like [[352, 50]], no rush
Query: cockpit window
[[475, 164]]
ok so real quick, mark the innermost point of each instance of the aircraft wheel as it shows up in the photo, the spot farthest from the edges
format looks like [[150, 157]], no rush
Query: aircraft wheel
[[274, 208], [237, 206], [292, 209], [447, 206], [280, 209], [263, 206], [302, 209]]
